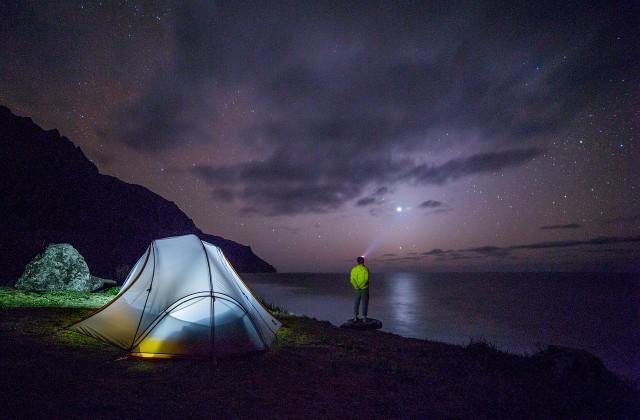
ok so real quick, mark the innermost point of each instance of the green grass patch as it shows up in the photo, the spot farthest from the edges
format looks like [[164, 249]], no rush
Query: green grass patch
[[273, 308], [292, 337], [15, 298]]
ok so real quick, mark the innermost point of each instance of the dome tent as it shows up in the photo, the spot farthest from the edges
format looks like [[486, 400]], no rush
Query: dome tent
[[182, 299]]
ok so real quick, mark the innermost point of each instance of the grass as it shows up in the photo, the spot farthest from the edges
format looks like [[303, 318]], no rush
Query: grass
[[16, 298], [275, 309], [313, 370]]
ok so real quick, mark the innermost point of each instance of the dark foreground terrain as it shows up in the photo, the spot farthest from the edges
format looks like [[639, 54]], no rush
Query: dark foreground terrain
[[314, 370]]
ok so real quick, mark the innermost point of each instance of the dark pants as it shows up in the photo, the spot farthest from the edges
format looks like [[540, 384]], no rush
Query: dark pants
[[361, 294]]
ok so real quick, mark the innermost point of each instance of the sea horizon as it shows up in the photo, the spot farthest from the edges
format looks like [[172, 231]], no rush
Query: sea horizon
[[517, 312]]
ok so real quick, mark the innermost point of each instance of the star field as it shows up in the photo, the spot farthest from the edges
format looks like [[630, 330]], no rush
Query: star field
[[440, 136]]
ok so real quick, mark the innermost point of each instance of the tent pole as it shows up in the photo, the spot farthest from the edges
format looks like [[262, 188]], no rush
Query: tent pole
[[213, 330], [212, 318], [153, 274]]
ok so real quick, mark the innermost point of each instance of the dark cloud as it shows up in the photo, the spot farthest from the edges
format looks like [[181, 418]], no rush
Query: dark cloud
[[436, 251], [376, 211], [430, 204], [603, 240], [476, 164], [346, 99], [289, 184], [282, 186], [510, 252], [458, 256], [558, 227], [366, 201], [490, 251], [507, 251], [376, 198], [434, 207]]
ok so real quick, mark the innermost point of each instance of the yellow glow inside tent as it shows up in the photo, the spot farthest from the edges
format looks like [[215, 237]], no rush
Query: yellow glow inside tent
[[155, 346], [152, 355]]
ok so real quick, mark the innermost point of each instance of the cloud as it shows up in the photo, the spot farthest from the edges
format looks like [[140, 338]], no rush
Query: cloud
[[507, 251], [310, 110], [290, 184], [436, 251], [434, 207], [366, 201], [491, 251], [475, 164], [430, 204], [376, 198], [381, 191], [511, 252], [557, 227], [602, 240]]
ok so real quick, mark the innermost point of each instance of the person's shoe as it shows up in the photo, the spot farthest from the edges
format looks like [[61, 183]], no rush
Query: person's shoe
[[355, 319], [365, 319]]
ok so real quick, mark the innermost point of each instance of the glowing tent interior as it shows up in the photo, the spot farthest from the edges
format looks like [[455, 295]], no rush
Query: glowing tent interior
[[183, 299]]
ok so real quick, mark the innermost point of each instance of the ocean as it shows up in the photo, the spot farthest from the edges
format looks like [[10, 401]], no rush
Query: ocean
[[517, 312]]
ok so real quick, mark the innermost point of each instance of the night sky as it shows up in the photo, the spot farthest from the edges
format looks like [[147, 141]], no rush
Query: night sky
[[436, 136]]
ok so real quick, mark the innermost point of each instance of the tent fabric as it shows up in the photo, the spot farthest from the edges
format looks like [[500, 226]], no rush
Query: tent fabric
[[183, 298]]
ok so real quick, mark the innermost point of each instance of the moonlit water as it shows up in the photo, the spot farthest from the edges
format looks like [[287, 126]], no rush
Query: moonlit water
[[518, 312]]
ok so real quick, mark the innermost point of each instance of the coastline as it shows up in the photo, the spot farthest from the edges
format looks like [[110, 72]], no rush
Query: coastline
[[314, 369], [521, 313]]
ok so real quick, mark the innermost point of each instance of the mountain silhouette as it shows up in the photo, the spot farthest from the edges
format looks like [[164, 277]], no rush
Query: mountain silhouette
[[51, 193]]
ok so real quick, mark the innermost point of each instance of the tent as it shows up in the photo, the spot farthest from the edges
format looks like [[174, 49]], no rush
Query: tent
[[183, 299]]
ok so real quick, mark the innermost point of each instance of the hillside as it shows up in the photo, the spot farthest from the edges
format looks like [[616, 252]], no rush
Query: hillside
[[52, 193]]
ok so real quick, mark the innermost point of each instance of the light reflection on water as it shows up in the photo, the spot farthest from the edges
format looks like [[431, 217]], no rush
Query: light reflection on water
[[518, 312]]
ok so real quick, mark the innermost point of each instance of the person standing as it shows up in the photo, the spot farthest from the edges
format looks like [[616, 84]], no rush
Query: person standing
[[360, 282]]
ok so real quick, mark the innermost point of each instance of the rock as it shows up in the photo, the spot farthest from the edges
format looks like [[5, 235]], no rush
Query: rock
[[59, 267], [371, 324]]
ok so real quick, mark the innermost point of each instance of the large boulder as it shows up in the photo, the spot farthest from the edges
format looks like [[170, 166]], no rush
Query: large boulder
[[59, 267]]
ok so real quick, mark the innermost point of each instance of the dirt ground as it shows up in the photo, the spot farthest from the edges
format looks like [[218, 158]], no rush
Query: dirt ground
[[315, 370]]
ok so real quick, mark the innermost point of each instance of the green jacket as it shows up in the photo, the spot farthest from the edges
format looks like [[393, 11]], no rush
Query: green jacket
[[360, 277]]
